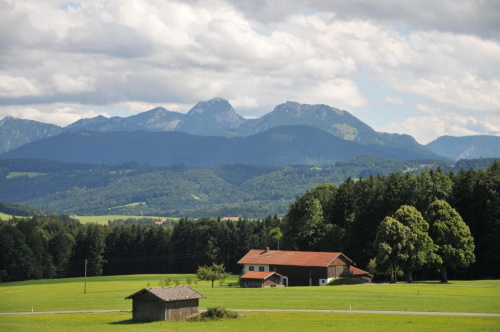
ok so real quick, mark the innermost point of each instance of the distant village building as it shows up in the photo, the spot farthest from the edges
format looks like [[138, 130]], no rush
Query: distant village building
[[262, 279], [164, 303], [300, 268]]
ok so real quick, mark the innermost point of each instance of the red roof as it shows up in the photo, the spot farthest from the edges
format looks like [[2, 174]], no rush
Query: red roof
[[295, 258], [355, 271], [262, 275]]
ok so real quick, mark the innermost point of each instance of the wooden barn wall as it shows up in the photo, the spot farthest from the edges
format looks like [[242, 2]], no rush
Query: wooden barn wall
[[336, 271], [252, 283], [181, 309], [274, 280], [299, 275]]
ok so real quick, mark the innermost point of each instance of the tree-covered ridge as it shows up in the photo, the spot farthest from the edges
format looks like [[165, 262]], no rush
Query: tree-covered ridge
[[177, 191]]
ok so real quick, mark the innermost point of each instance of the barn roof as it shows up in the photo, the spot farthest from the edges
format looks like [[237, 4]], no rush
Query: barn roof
[[261, 275], [170, 293], [295, 258], [357, 272]]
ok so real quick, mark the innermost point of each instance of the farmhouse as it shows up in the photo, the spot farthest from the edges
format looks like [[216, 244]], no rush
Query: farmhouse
[[262, 279], [300, 268], [164, 303]]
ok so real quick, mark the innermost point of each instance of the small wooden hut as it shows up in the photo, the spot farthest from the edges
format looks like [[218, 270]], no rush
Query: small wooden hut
[[164, 303], [255, 279]]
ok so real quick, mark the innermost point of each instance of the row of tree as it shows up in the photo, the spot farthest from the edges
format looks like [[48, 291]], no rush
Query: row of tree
[[48, 247], [347, 217], [405, 242]]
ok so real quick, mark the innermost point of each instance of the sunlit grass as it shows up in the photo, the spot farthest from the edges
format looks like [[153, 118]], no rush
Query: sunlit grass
[[254, 321], [103, 219], [12, 175], [109, 293]]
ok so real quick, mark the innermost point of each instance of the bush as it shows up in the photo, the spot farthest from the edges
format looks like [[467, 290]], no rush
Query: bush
[[215, 313]]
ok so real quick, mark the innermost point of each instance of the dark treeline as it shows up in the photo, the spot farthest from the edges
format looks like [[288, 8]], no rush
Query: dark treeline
[[346, 217], [46, 247], [328, 218]]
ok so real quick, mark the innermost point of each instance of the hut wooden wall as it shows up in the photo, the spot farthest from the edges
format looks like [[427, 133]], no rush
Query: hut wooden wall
[[181, 309], [146, 307]]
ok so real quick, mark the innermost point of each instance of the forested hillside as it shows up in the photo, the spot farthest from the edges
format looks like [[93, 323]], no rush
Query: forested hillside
[[177, 191], [329, 217]]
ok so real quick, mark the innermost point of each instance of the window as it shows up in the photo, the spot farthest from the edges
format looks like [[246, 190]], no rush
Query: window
[[250, 268], [261, 268]]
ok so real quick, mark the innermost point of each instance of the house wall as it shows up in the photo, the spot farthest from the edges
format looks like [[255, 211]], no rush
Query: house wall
[[256, 267]]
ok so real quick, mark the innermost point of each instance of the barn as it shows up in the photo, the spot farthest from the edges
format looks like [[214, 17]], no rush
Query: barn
[[256, 279], [164, 303], [301, 268]]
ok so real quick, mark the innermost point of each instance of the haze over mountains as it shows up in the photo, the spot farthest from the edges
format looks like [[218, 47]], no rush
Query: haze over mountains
[[212, 134]]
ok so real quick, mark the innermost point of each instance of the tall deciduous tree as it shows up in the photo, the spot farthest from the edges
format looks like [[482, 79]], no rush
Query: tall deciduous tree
[[275, 236], [420, 247], [391, 246], [452, 235]]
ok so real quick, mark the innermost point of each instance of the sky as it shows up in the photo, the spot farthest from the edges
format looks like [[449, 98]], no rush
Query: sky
[[425, 68]]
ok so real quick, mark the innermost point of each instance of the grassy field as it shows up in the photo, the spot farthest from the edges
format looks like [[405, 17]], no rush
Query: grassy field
[[5, 216], [103, 220], [255, 321], [12, 175], [109, 293]]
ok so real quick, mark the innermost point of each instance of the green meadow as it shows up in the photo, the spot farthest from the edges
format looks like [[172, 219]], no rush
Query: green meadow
[[5, 216], [103, 220], [109, 293], [12, 175], [253, 321]]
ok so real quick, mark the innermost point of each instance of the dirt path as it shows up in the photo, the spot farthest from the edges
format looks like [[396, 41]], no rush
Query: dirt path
[[376, 312]]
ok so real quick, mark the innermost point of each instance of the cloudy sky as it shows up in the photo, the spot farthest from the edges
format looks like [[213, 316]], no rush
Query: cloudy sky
[[426, 68]]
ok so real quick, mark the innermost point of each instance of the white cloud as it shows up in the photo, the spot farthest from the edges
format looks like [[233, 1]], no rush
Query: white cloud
[[59, 114], [67, 84], [117, 57], [17, 86], [427, 128]]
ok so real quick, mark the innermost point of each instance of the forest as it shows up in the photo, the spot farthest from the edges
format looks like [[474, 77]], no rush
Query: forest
[[349, 217], [179, 191]]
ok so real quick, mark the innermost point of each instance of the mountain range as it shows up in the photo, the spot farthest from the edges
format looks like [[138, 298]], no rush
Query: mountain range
[[212, 133]]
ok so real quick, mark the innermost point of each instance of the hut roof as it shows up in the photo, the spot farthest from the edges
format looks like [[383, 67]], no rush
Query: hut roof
[[296, 258], [170, 293], [261, 275]]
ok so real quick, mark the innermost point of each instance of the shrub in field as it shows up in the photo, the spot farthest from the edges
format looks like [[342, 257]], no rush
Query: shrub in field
[[215, 313]]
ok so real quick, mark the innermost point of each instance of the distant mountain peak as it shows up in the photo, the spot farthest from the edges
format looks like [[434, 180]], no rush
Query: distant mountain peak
[[211, 116]]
